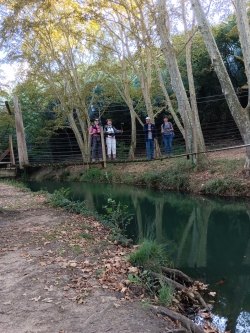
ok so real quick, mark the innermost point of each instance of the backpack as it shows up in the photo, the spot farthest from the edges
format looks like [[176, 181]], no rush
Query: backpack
[[172, 133]]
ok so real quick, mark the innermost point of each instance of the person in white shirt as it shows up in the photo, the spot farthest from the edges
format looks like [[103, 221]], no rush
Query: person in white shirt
[[110, 131]]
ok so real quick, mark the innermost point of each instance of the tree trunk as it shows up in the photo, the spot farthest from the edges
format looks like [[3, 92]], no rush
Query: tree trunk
[[162, 23], [168, 101], [240, 115], [78, 136], [131, 154]]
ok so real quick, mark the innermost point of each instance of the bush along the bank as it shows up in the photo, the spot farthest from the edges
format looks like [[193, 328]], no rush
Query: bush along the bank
[[225, 186], [174, 178], [116, 217], [166, 286]]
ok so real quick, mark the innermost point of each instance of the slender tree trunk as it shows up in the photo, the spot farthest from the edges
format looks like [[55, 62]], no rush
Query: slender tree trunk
[[78, 136], [240, 115], [131, 154], [162, 22], [168, 101]]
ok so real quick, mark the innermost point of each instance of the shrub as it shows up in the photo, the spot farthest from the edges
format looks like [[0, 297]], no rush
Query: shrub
[[172, 178], [94, 175], [225, 186], [165, 294], [117, 219], [149, 255], [64, 175], [60, 198]]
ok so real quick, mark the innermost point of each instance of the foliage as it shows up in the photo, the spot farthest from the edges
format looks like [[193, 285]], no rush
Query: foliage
[[117, 219], [95, 175], [173, 178], [165, 294], [47, 176], [60, 198], [122, 150], [15, 183], [225, 186], [149, 255], [64, 175]]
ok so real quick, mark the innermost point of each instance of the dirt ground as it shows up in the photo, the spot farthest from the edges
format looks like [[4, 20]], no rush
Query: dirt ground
[[54, 278]]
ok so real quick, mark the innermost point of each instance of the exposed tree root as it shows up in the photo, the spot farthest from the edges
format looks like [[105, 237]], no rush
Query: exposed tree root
[[178, 330], [193, 295], [177, 273], [185, 322]]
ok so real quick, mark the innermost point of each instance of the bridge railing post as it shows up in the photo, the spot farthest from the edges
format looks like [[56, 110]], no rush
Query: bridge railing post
[[12, 157], [104, 164], [21, 142]]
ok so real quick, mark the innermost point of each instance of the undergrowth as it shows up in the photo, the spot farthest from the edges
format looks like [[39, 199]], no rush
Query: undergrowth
[[116, 218], [225, 186], [15, 183], [149, 255]]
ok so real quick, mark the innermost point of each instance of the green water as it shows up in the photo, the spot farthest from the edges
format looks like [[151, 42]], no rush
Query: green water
[[210, 238]]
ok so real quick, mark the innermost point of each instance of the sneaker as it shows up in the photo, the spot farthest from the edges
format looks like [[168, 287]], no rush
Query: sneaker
[[93, 160], [100, 159], [114, 159]]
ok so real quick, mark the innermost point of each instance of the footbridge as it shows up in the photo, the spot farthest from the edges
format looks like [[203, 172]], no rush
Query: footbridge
[[17, 152]]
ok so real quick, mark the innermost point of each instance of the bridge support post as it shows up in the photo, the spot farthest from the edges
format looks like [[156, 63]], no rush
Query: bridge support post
[[104, 163], [21, 142], [185, 129]]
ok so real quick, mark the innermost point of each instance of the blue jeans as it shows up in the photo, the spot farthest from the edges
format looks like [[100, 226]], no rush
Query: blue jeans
[[167, 140], [150, 148]]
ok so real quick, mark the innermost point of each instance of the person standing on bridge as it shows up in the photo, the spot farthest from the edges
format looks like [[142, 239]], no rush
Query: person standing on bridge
[[110, 131], [167, 132], [150, 138], [95, 132]]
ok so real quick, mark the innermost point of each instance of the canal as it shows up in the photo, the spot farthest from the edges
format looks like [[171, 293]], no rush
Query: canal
[[209, 238]]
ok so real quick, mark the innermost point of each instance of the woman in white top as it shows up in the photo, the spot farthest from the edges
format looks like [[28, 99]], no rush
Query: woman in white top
[[110, 131]]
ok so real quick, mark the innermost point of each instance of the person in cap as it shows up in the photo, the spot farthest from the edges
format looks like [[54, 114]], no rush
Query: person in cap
[[95, 132], [150, 137]]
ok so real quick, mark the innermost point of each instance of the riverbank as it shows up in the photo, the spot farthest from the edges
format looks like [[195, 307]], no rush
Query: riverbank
[[60, 273], [223, 174]]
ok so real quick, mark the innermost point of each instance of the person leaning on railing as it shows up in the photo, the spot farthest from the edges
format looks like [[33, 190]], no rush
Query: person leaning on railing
[[95, 132]]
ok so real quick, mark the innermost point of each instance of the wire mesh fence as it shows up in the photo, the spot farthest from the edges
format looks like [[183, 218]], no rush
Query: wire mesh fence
[[63, 148]]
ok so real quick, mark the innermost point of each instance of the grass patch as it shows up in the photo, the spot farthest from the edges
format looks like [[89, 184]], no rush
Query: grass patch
[[95, 175], [85, 235], [149, 255], [76, 249], [165, 294], [15, 183], [225, 186], [48, 236]]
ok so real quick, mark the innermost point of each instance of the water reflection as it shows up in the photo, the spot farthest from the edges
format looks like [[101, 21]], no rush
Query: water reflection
[[210, 238]]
